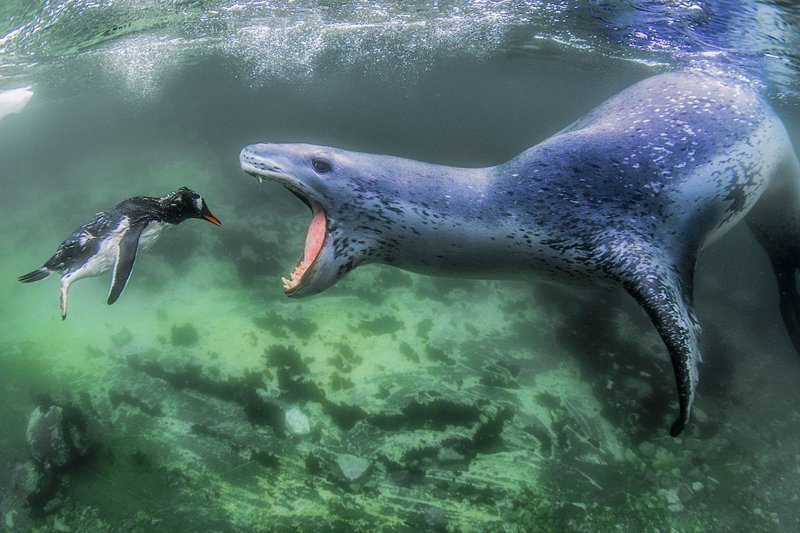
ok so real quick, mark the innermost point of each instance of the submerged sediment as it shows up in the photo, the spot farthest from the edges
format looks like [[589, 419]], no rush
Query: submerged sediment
[[470, 431]]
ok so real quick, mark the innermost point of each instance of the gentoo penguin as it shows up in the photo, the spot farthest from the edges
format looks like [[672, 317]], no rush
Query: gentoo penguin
[[112, 238]]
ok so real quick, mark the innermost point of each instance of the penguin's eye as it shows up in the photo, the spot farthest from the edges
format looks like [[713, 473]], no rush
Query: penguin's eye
[[321, 166]]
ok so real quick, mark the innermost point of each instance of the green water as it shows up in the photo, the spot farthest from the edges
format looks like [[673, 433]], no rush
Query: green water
[[432, 404]]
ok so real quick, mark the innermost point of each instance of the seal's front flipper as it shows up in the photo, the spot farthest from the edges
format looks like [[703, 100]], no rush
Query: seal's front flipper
[[664, 291], [775, 222], [789, 300], [123, 266]]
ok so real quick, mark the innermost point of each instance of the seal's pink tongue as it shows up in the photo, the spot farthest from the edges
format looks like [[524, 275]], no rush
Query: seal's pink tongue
[[315, 237]]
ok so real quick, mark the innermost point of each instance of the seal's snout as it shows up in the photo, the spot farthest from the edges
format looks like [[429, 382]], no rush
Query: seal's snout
[[254, 161], [246, 159], [255, 151], [249, 154], [244, 154], [283, 164]]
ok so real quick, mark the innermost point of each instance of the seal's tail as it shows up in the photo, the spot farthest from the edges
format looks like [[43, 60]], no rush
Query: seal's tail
[[36, 275]]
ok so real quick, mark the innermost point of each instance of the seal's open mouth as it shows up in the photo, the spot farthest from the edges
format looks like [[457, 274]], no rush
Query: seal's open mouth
[[317, 231], [315, 239]]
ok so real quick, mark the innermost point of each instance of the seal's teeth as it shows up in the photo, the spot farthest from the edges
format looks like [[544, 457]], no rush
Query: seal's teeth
[[301, 267], [297, 275]]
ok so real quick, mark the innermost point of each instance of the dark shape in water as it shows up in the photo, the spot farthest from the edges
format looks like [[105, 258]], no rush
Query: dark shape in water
[[122, 337], [113, 237], [628, 196], [277, 324], [381, 325], [185, 335]]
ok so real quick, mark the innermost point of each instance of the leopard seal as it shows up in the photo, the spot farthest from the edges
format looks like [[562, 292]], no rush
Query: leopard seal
[[628, 195]]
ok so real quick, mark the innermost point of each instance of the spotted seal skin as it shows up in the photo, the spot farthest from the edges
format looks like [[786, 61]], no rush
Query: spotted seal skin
[[628, 195]]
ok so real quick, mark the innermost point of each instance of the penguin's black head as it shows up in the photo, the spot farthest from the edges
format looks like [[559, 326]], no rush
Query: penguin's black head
[[184, 204]]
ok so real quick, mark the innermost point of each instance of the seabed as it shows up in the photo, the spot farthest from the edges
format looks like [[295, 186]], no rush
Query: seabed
[[206, 400]]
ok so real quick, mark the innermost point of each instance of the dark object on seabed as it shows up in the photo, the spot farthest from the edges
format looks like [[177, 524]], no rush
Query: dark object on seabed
[[113, 237]]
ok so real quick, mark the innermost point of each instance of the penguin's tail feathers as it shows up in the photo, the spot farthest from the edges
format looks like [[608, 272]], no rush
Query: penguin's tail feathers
[[36, 275]]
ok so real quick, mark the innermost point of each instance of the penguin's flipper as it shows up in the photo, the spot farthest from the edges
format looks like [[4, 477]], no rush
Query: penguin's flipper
[[664, 290], [126, 258]]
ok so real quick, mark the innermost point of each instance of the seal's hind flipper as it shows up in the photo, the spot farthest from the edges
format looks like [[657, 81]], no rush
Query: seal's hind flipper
[[128, 245], [664, 291]]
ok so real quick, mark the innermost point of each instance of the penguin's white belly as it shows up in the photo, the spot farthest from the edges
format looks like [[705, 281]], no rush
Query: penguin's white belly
[[151, 233], [106, 255]]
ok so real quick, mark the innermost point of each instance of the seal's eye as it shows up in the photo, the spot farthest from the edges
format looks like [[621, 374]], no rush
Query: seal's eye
[[321, 166]]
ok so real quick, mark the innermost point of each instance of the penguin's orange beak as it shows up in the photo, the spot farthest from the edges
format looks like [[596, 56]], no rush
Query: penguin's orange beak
[[212, 219]]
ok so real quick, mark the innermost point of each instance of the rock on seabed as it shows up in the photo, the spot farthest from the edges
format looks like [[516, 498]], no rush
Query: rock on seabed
[[352, 467]]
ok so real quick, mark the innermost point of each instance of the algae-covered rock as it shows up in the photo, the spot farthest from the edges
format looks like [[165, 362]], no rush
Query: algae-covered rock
[[647, 449], [8, 519], [46, 437], [435, 519], [60, 439], [26, 479], [297, 421], [447, 454], [56, 438], [352, 467]]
